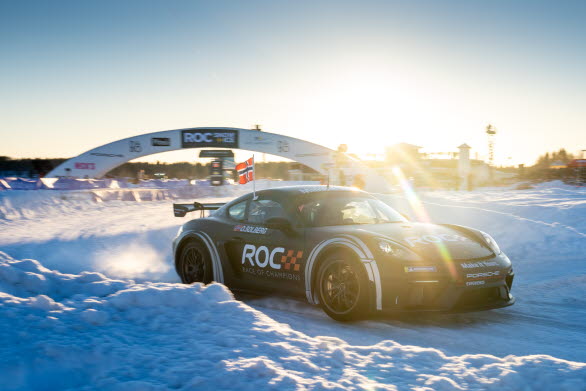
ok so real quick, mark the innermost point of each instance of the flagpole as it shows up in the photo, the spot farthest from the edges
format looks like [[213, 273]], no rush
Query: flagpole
[[253, 178]]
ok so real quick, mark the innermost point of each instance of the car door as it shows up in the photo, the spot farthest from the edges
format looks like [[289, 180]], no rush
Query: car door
[[266, 254]]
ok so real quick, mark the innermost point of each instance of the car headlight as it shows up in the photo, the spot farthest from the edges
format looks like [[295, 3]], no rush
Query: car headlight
[[394, 250], [491, 243]]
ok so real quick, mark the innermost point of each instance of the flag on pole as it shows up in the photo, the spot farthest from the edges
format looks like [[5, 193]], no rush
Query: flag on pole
[[245, 171]]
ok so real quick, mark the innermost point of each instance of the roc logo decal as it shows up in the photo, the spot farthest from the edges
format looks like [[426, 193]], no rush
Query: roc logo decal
[[290, 262], [262, 262]]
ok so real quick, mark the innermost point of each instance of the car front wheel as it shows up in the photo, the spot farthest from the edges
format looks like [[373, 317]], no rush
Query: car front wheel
[[342, 288]]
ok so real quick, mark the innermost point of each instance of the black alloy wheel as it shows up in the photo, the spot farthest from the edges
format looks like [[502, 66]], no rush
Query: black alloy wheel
[[341, 288], [194, 264]]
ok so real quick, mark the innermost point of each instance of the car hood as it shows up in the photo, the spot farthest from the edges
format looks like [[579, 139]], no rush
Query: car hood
[[431, 241]]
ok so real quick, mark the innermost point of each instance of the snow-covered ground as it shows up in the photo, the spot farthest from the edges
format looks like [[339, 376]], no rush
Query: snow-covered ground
[[99, 307]]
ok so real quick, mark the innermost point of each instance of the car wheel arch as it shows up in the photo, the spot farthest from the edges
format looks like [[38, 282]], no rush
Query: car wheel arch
[[184, 241], [323, 255], [207, 242]]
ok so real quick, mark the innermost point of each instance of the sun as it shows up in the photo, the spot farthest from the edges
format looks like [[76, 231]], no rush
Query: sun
[[370, 108]]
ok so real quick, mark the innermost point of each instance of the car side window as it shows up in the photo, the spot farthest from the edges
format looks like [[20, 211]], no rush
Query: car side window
[[309, 212], [262, 210], [337, 211], [358, 212], [238, 211]]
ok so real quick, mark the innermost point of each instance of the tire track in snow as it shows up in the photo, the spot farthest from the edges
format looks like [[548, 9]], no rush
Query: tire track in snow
[[551, 225]]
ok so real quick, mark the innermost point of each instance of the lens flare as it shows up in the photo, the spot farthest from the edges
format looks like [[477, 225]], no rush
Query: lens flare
[[419, 210], [414, 202]]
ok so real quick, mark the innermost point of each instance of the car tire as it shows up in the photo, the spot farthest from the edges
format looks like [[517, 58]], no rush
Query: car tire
[[194, 263], [342, 287]]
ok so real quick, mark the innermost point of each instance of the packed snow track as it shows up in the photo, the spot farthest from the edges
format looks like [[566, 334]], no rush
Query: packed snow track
[[89, 300]]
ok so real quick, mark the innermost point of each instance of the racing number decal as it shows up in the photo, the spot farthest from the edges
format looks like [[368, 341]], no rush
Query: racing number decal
[[134, 146], [283, 146]]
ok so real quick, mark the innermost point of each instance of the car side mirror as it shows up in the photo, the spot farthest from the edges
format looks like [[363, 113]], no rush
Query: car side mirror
[[279, 223]]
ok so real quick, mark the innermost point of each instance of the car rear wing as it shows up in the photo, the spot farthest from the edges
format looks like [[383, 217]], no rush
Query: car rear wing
[[180, 210]]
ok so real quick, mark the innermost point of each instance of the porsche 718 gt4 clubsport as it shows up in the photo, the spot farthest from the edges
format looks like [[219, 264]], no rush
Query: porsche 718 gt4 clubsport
[[343, 249]]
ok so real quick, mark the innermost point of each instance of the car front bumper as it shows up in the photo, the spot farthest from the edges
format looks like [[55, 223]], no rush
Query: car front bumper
[[448, 297]]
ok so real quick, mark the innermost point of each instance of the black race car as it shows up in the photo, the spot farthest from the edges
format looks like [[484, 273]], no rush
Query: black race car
[[343, 249]]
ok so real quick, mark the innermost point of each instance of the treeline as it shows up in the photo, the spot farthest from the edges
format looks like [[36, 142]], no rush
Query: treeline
[[186, 170], [545, 160], [27, 167], [183, 170], [546, 169]]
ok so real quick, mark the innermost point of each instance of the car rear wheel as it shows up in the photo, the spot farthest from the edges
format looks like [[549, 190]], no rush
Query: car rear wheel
[[194, 264], [342, 288]]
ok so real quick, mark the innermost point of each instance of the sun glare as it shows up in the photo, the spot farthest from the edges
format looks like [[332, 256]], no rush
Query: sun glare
[[372, 109]]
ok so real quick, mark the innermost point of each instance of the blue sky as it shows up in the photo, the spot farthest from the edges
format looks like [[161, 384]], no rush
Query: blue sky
[[75, 75]]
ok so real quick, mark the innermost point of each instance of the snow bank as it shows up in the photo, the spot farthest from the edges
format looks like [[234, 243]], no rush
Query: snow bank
[[20, 204], [23, 184], [64, 331]]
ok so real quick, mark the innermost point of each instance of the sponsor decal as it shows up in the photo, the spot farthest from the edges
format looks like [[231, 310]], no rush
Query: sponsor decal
[[474, 265], [273, 274], [214, 153], [307, 190], [483, 275], [179, 210], [106, 154], [289, 261], [251, 229], [85, 166], [283, 146], [315, 189], [312, 154], [260, 140], [209, 138], [278, 258], [415, 269], [134, 146], [261, 256], [160, 141], [430, 239], [473, 283]]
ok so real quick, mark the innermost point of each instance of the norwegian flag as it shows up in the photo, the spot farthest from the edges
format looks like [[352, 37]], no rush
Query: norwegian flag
[[246, 171]]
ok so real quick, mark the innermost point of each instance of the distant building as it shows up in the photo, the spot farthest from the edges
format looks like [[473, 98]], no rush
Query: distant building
[[405, 156], [427, 170], [577, 163], [301, 172], [402, 154]]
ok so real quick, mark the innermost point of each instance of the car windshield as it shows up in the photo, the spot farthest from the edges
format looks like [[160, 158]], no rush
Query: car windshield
[[348, 210]]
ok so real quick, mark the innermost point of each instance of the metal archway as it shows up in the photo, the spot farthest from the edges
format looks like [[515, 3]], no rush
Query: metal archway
[[99, 161]]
